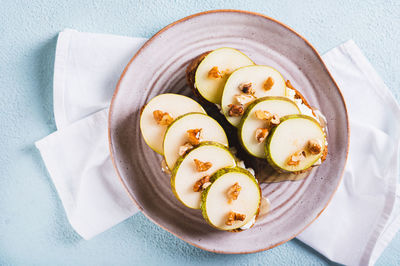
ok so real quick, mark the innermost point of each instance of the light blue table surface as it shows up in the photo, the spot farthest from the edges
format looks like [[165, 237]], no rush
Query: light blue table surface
[[33, 225]]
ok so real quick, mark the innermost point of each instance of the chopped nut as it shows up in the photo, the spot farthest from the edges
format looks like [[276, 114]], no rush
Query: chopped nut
[[296, 158], [261, 134], [194, 136], [314, 146], [244, 99], [202, 166], [263, 115], [233, 192], [268, 83], [199, 185], [234, 216], [247, 88], [275, 120], [214, 73], [235, 110], [184, 148], [162, 118]]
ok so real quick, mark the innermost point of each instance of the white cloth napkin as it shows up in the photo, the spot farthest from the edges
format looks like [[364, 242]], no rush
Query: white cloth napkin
[[86, 69], [358, 224]]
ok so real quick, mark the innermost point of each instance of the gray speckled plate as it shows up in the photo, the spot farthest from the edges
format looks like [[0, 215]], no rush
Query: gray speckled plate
[[159, 67]]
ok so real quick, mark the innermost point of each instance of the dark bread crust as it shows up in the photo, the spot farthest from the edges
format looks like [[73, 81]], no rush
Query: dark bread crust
[[191, 73], [300, 96]]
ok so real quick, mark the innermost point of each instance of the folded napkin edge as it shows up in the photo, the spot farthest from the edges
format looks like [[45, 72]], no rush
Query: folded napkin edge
[[355, 54], [59, 77]]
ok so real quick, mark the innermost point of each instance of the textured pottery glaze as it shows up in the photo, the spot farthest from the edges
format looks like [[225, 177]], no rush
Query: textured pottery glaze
[[160, 67]]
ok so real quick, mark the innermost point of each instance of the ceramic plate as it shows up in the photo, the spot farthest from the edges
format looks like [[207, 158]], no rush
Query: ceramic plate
[[159, 67]]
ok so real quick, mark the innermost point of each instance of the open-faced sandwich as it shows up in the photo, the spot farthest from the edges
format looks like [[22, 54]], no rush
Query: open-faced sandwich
[[273, 120]]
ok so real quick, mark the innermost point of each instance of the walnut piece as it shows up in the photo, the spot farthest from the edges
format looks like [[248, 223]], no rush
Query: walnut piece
[[234, 216], [214, 73], [296, 158], [268, 83], [261, 134], [247, 88], [194, 136], [263, 115], [244, 99], [162, 118], [314, 146], [233, 192], [202, 166], [275, 120], [185, 148], [235, 110], [199, 185]]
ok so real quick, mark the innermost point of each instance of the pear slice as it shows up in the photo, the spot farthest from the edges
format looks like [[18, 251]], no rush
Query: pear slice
[[185, 174], [295, 136], [249, 124], [216, 203], [173, 104], [176, 135], [213, 70], [264, 81]]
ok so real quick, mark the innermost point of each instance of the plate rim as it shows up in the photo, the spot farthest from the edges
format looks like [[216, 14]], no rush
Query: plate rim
[[147, 43]]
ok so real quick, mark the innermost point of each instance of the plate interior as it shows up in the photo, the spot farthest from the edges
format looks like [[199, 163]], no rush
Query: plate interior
[[159, 67]]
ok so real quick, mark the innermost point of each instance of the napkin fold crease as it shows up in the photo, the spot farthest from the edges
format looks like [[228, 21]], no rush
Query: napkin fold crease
[[360, 221]]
